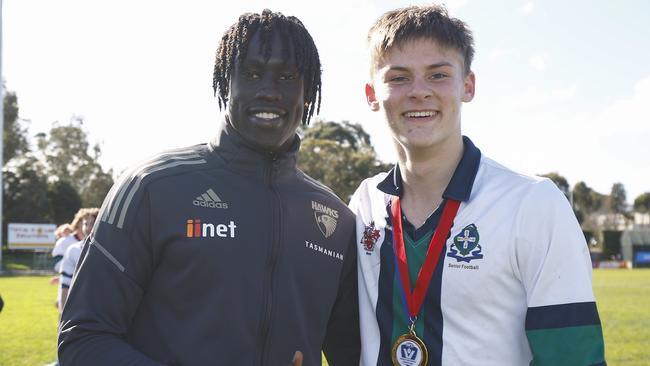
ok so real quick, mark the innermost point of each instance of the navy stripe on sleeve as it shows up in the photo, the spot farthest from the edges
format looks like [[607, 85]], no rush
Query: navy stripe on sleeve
[[65, 274], [563, 315], [385, 309]]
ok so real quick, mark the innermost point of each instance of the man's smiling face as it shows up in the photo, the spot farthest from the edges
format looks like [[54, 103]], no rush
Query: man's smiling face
[[266, 100]]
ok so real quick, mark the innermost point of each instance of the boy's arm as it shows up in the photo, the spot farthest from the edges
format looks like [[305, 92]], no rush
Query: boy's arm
[[552, 258]]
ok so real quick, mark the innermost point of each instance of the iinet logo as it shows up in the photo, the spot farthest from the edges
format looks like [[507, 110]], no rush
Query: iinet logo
[[196, 229]]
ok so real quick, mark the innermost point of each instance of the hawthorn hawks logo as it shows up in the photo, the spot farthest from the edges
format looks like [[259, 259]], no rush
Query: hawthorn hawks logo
[[370, 237], [326, 218]]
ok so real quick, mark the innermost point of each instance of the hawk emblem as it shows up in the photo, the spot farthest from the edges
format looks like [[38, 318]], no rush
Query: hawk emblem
[[326, 223]]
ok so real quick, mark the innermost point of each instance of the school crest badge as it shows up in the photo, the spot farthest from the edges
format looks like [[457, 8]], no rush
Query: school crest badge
[[370, 237], [466, 245]]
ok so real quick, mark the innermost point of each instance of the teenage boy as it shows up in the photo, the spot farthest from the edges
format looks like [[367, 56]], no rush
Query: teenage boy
[[461, 260], [225, 253]]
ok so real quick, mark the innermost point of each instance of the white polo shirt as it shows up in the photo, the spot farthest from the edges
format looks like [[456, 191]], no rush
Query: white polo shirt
[[512, 286]]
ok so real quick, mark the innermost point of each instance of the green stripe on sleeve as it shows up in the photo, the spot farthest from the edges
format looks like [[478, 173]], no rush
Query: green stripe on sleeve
[[570, 346]]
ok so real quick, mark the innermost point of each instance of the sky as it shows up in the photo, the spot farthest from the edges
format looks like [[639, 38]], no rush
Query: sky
[[562, 86]]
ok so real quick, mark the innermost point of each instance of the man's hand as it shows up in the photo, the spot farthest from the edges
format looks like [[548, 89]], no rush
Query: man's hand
[[297, 359]]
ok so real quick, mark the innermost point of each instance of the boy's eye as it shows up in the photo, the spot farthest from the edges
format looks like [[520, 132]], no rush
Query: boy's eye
[[438, 76]]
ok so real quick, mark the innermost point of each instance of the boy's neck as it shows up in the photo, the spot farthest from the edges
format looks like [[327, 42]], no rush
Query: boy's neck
[[425, 176]]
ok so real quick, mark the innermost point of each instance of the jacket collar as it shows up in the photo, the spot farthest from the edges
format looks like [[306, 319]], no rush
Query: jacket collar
[[229, 147], [460, 186]]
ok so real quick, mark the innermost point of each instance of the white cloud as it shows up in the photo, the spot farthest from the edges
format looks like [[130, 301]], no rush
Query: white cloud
[[497, 54], [538, 62], [527, 8]]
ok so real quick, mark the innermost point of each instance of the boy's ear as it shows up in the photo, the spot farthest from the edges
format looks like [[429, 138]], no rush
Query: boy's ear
[[469, 87], [371, 98]]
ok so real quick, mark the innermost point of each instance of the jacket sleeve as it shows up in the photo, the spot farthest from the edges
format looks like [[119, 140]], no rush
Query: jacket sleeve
[[342, 344], [116, 265], [553, 263]]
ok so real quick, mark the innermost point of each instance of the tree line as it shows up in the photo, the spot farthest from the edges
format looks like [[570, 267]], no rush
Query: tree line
[[586, 202], [49, 180]]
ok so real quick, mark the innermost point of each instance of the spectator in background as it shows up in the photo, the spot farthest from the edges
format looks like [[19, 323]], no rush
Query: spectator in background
[[63, 230], [71, 256], [65, 241]]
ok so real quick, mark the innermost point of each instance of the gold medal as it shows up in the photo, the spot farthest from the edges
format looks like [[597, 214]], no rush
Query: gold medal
[[409, 350]]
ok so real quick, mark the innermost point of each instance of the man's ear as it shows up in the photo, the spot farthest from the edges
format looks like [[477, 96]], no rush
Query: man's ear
[[469, 87], [371, 98]]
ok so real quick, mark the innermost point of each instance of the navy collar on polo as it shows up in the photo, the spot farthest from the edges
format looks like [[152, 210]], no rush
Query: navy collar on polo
[[459, 188]]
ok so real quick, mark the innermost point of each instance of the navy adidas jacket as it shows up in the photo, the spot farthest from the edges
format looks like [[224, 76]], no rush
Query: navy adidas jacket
[[216, 254]]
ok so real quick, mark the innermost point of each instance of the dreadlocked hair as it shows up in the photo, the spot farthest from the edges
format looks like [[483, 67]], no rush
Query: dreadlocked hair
[[295, 37]]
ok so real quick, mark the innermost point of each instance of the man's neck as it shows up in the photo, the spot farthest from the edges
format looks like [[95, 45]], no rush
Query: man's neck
[[425, 176]]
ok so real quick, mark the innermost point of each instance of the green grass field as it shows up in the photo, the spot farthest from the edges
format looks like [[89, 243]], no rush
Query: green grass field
[[624, 305], [29, 319]]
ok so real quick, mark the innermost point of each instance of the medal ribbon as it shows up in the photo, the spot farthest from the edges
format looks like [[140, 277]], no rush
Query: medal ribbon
[[415, 299]]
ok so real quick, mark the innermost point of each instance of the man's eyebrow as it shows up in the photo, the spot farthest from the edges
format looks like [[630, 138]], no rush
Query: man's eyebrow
[[439, 64], [432, 66]]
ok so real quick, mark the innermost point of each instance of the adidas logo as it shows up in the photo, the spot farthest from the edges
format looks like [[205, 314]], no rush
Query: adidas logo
[[209, 199]]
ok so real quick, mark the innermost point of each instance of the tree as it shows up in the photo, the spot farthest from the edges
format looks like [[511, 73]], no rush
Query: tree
[[339, 155], [616, 200], [69, 158], [14, 135], [96, 191], [559, 181], [24, 193], [642, 203], [345, 134], [583, 199], [64, 201], [586, 199]]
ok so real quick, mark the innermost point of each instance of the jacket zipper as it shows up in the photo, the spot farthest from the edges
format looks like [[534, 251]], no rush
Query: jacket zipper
[[276, 219]]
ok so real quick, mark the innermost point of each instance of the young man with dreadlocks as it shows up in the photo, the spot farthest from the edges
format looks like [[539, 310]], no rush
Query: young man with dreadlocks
[[225, 253], [461, 260]]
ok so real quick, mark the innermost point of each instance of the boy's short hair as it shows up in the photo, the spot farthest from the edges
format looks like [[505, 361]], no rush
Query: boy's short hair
[[396, 27]]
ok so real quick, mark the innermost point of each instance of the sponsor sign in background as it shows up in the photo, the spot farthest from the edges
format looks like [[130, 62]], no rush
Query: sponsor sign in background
[[642, 257], [30, 236]]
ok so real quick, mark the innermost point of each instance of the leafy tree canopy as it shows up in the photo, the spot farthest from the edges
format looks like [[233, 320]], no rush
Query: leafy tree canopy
[[616, 202], [642, 202], [70, 158], [14, 134], [339, 155]]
